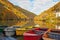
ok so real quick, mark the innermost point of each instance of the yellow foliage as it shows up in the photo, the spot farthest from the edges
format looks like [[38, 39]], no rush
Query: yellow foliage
[[10, 7], [47, 18]]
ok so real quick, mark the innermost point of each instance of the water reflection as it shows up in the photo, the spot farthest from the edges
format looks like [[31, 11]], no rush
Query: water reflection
[[7, 22], [16, 22], [21, 23]]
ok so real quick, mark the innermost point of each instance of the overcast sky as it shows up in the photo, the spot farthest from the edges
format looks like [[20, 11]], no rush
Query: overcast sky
[[35, 6]]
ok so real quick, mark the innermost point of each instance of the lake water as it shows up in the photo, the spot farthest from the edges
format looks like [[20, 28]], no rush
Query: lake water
[[24, 23], [16, 22]]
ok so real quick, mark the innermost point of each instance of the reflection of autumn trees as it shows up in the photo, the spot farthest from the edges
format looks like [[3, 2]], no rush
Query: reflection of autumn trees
[[12, 22], [58, 21], [21, 23], [1, 16], [7, 22]]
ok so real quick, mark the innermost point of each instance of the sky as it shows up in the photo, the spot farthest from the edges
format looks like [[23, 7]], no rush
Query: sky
[[35, 6]]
